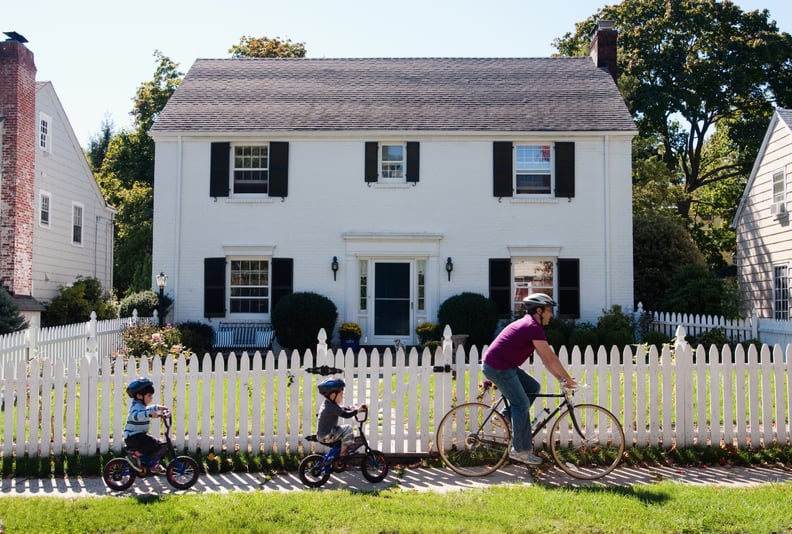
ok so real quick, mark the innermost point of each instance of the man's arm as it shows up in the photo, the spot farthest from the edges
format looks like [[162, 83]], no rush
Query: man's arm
[[552, 363]]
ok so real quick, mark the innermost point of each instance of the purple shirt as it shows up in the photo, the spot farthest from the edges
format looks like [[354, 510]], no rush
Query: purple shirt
[[514, 344]]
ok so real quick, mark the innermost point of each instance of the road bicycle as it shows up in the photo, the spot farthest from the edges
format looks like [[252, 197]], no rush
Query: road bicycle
[[586, 441], [316, 468], [180, 471]]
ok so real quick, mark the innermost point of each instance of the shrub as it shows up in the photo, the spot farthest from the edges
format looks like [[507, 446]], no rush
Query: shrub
[[716, 336], [145, 302], [298, 317], [655, 338], [75, 303], [428, 332], [10, 318], [615, 328], [558, 332], [196, 336], [350, 331], [584, 335], [148, 339], [471, 314], [695, 290]]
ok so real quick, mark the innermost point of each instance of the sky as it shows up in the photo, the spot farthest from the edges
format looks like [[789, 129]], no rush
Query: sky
[[97, 53]]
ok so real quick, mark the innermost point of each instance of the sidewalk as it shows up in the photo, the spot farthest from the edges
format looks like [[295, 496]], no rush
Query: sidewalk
[[413, 479]]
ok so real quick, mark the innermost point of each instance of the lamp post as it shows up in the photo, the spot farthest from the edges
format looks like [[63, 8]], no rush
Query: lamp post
[[162, 281]]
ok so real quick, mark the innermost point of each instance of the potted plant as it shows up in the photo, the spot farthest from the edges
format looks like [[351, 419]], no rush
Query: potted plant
[[350, 334]]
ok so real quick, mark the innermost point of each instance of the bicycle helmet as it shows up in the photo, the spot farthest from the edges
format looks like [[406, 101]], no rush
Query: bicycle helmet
[[331, 385], [537, 300], [141, 385]]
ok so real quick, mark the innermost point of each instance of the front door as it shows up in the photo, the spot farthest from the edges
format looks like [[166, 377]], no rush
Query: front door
[[392, 304]]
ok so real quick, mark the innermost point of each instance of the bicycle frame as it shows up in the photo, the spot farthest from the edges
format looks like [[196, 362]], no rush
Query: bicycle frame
[[567, 402]]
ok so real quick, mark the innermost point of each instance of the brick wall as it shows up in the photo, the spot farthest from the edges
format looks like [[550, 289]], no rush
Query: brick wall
[[17, 191]]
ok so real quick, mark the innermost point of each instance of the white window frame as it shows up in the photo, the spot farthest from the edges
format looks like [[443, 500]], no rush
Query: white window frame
[[267, 261], [392, 171], [78, 224], [531, 166], [45, 132], [45, 197], [523, 284], [265, 169], [779, 186], [781, 292]]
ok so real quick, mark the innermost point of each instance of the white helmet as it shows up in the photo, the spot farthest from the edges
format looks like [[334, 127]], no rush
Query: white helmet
[[537, 300]]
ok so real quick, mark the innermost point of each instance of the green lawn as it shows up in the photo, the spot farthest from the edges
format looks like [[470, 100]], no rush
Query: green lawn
[[663, 507]]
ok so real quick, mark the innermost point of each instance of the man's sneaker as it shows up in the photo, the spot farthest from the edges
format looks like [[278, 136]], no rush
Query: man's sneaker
[[157, 469], [524, 457], [134, 461]]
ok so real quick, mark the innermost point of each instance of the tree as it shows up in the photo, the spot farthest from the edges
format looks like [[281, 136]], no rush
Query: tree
[[10, 318], [127, 178], [98, 144], [689, 68], [75, 303], [265, 47]]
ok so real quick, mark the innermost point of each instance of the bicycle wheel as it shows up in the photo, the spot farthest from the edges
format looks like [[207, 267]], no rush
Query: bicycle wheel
[[182, 472], [587, 441], [473, 440], [374, 466], [118, 474], [312, 471]]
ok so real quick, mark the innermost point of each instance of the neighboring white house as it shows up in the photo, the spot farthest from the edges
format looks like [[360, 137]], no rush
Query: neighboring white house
[[762, 224], [54, 223], [389, 185]]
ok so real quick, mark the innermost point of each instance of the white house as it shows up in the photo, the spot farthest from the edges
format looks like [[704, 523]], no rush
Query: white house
[[764, 235], [55, 225], [389, 185]]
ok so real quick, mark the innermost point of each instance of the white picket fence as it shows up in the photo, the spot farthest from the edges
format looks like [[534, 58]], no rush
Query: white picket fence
[[266, 402]]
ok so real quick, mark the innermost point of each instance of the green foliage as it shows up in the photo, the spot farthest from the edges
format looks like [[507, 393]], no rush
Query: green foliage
[[10, 318], [197, 336], [148, 339], [250, 46], [428, 332], [471, 314], [655, 338], [615, 328], [584, 335], [558, 332], [298, 317], [74, 304], [716, 336], [694, 290], [145, 302], [655, 265], [349, 331], [98, 144]]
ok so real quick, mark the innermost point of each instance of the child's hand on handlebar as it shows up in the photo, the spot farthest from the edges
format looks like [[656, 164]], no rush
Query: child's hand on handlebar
[[362, 408]]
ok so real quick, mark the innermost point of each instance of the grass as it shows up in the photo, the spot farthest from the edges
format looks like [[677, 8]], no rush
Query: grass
[[663, 507]]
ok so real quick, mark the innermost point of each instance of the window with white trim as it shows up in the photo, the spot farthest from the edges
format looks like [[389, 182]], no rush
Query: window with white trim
[[250, 169], [45, 200], [532, 169], [249, 286], [531, 275], [45, 132], [420, 267], [392, 162], [77, 223], [781, 292], [779, 187], [363, 285]]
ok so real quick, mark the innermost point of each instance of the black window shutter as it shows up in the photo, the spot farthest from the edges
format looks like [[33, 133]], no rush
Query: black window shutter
[[372, 159], [413, 161], [219, 170], [214, 287], [278, 169], [282, 280], [565, 170], [569, 288], [500, 285], [502, 173]]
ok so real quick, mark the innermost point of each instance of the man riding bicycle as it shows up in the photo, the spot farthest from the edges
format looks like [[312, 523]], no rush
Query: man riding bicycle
[[502, 362]]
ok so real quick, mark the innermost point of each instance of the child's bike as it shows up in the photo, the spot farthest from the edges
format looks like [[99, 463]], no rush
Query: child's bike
[[315, 469], [181, 471]]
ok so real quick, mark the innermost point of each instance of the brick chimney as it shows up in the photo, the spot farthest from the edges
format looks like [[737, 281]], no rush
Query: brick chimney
[[17, 170], [603, 46]]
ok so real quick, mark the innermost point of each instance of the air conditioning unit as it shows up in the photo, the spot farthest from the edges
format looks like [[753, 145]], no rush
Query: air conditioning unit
[[778, 210]]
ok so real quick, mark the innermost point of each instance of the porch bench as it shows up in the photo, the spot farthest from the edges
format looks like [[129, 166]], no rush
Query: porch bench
[[245, 335]]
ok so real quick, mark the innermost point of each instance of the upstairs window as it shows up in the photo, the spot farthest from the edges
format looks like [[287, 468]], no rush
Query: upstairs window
[[392, 163], [532, 170], [77, 224], [251, 169], [779, 187], [44, 208], [45, 125]]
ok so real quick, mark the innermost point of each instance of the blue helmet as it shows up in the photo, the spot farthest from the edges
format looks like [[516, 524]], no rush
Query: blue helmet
[[141, 385], [331, 385]]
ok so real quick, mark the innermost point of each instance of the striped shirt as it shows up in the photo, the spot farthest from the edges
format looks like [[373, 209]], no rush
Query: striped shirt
[[139, 418]]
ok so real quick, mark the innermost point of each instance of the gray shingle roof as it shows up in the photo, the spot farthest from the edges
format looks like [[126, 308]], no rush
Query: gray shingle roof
[[402, 94], [786, 116]]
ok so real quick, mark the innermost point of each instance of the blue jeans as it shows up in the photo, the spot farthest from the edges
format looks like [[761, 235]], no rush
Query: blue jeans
[[520, 389]]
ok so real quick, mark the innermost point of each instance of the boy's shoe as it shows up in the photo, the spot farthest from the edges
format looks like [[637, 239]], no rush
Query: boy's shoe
[[157, 469], [525, 457], [134, 461]]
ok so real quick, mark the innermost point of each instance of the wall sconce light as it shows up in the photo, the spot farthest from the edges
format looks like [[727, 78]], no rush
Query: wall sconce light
[[449, 268], [334, 266]]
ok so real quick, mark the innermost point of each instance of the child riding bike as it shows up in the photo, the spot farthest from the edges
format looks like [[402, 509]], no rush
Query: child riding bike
[[328, 430], [136, 437]]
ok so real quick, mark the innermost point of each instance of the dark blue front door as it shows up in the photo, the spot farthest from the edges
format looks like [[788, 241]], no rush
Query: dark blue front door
[[392, 299]]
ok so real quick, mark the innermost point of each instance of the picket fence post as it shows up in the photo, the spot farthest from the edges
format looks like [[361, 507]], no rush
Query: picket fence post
[[683, 360]]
